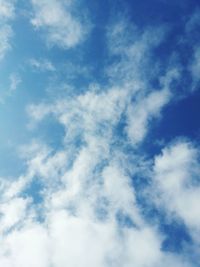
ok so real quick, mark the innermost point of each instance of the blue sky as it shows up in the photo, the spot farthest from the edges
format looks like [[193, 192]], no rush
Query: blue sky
[[99, 133]]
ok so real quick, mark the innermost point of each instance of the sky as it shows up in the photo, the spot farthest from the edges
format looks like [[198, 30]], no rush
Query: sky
[[99, 133]]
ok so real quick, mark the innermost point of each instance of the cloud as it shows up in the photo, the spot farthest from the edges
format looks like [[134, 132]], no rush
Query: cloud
[[12, 213], [61, 26], [26, 246], [134, 49], [193, 22], [195, 67], [192, 41], [7, 14], [5, 36], [15, 80], [176, 177], [6, 9], [144, 112], [65, 238], [128, 79]]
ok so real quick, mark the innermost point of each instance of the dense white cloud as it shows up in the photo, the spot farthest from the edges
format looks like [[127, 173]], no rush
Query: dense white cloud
[[61, 26], [176, 174], [65, 238], [12, 212], [27, 246]]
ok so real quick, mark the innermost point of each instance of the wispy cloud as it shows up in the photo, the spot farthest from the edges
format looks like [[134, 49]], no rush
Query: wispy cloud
[[42, 64], [6, 15], [15, 80], [195, 67], [5, 36], [191, 39]]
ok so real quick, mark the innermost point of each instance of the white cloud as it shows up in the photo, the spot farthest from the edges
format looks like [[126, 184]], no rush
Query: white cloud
[[26, 247], [176, 174], [12, 212], [85, 114], [141, 113], [6, 9], [61, 26]]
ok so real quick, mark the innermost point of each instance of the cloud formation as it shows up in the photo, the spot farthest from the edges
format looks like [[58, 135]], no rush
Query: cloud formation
[[85, 209]]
